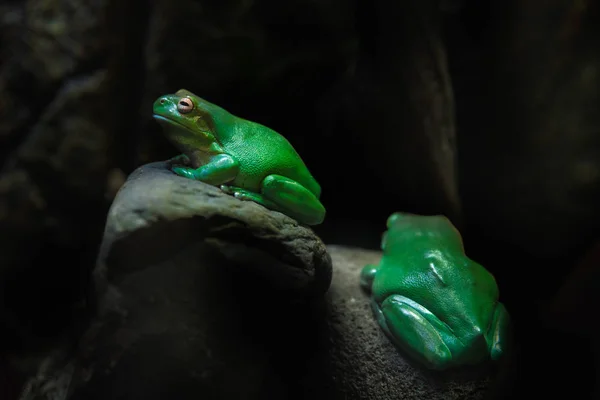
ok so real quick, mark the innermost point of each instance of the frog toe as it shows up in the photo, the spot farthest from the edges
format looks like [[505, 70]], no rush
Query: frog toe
[[227, 189], [184, 172]]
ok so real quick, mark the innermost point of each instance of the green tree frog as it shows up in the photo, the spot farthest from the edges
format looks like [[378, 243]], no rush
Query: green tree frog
[[432, 301], [244, 158]]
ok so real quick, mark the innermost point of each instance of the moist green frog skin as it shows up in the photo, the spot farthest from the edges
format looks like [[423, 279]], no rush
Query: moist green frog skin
[[246, 159], [431, 300]]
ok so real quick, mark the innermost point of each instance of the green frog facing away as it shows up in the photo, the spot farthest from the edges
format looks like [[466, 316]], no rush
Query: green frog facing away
[[431, 300], [246, 159]]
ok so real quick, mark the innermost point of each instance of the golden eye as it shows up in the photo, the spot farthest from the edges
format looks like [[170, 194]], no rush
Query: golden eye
[[185, 105]]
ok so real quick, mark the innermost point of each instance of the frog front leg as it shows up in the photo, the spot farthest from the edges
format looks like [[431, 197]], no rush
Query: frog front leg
[[220, 169], [286, 196]]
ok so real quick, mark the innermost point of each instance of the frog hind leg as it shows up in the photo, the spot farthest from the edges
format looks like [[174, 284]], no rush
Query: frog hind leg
[[296, 200], [247, 195], [498, 335], [419, 333], [286, 196]]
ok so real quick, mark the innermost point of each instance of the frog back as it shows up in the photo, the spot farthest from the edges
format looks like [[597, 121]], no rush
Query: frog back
[[261, 151], [442, 279]]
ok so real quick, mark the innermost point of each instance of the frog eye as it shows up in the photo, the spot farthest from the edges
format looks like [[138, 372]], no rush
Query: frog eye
[[185, 105]]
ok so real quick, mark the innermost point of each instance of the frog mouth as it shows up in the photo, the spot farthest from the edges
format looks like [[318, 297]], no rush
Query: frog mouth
[[163, 120], [179, 133]]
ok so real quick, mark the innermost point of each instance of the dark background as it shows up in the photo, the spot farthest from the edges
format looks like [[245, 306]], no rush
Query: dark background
[[485, 111]]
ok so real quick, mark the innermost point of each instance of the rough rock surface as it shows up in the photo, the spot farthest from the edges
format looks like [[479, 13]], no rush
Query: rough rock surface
[[179, 320], [181, 329], [157, 212]]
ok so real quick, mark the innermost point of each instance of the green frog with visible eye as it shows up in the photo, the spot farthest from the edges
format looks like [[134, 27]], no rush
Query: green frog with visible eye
[[246, 159], [430, 299]]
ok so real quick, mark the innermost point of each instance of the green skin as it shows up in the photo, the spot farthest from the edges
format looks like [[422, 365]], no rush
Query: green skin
[[431, 300], [246, 159]]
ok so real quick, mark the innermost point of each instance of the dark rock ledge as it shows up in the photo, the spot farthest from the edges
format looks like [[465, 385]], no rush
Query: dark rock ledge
[[205, 296]]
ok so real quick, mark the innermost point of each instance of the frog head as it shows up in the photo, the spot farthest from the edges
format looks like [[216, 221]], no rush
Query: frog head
[[406, 227], [186, 122]]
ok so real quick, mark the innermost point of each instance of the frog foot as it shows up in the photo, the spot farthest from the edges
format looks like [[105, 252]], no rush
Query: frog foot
[[498, 334], [228, 189], [367, 276], [184, 172], [181, 159], [285, 196], [246, 195]]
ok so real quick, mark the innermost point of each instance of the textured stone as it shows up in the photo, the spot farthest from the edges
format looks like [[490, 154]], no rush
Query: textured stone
[[191, 326], [158, 211]]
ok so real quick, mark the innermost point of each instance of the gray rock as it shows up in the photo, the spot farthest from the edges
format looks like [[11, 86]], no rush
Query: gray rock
[[179, 320], [196, 292], [190, 327], [160, 212]]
